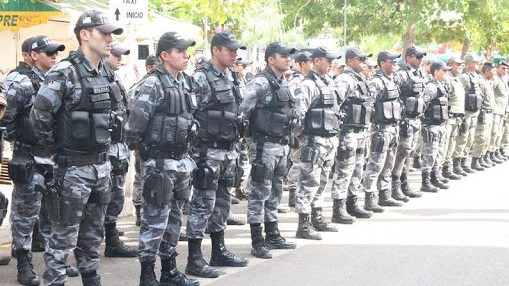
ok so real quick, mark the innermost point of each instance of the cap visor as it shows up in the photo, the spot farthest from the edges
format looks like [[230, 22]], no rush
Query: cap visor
[[447, 68], [185, 44], [393, 56], [286, 51], [420, 54], [331, 56], [53, 48], [120, 51], [235, 46], [110, 28]]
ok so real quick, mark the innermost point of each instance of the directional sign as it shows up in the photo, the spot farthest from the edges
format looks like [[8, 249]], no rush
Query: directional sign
[[129, 11]]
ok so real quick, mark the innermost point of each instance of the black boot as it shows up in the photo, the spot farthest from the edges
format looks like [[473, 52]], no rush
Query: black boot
[[441, 178], [426, 184], [273, 238], [405, 187], [26, 275], [221, 256], [305, 229], [417, 162], [72, 271], [4, 260], [355, 210], [259, 248], [170, 276], [371, 203], [476, 165], [339, 213], [396, 192], [465, 167], [196, 265], [240, 194], [495, 159], [319, 223], [483, 160], [92, 279], [436, 182], [147, 276], [38, 242], [499, 156], [114, 246], [385, 199], [456, 168], [138, 215], [292, 197]]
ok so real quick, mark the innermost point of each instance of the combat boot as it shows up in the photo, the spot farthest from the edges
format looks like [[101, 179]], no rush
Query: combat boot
[[436, 182], [457, 168], [385, 199], [274, 239], [259, 248], [182, 235], [240, 194], [92, 279], [138, 215], [26, 275], [339, 213], [503, 153], [292, 197], [405, 187], [476, 165], [4, 260], [235, 220], [441, 178], [494, 158], [465, 166], [483, 163], [371, 203], [147, 276], [221, 256], [319, 223], [196, 265], [354, 209], [426, 184], [305, 229], [417, 164], [234, 201], [171, 276], [114, 246], [499, 156], [396, 192], [72, 271]]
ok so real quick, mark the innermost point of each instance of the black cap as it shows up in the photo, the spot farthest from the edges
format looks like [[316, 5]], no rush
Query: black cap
[[488, 65], [45, 44], [151, 60], [117, 50], [303, 57], [414, 51], [439, 65], [355, 52], [322, 52], [384, 56], [226, 39], [172, 40], [97, 20], [26, 46], [278, 47]]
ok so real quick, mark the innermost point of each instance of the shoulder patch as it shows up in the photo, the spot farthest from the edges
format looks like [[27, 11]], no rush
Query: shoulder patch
[[55, 85]]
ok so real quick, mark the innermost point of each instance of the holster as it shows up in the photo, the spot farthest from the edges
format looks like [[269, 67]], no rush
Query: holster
[[204, 178], [480, 117], [404, 130], [259, 171], [463, 127], [155, 191], [309, 154], [51, 201], [21, 168]]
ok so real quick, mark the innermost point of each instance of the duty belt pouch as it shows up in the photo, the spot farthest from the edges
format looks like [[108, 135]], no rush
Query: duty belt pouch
[[330, 120], [388, 110], [378, 143], [182, 195], [471, 102], [51, 202], [357, 114], [224, 94], [309, 154], [21, 169], [101, 128], [427, 136], [80, 122], [478, 101], [316, 120], [410, 104], [155, 190], [259, 171], [204, 178]]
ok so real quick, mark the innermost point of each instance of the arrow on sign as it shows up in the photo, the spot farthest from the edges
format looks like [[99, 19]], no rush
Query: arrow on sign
[[117, 14]]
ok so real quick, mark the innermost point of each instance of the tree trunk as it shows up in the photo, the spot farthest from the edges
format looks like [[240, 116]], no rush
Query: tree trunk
[[466, 46], [408, 37], [489, 51]]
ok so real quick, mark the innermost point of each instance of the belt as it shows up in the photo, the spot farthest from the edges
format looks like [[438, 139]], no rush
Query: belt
[[356, 129], [225, 145], [273, 139], [487, 111], [176, 155], [457, 114], [81, 160], [34, 150]]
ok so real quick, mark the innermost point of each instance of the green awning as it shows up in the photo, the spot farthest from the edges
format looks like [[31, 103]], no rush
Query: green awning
[[16, 14]]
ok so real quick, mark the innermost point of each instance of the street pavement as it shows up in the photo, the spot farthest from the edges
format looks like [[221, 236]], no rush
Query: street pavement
[[458, 237]]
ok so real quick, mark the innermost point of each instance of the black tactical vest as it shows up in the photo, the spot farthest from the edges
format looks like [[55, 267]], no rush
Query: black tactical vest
[[438, 109], [324, 115], [170, 126], [118, 105], [26, 132], [357, 106], [218, 119], [473, 97], [84, 128], [387, 105], [412, 94]]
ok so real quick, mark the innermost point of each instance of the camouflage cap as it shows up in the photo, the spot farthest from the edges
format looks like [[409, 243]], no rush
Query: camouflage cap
[[117, 50], [97, 20], [45, 44], [355, 52], [439, 65], [471, 58]]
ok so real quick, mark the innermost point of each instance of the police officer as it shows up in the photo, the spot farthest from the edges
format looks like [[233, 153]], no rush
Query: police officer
[[119, 157], [436, 100], [30, 166], [452, 167], [411, 85], [217, 157], [353, 137], [4, 202], [384, 132], [161, 129], [72, 118], [318, 110], [501, 98], [269, 106], [473, 102], [24, 67], [505, 137]]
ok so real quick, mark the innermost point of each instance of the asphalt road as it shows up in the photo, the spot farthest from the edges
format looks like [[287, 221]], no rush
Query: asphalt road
[[457, 237]]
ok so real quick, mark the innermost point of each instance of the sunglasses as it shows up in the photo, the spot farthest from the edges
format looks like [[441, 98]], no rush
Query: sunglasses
[[419, 57], [50, 54]]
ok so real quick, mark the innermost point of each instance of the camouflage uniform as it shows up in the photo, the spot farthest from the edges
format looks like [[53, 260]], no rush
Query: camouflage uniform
[[455, 122], [505, 137], [501, 98], [485, 121], [82, 171]]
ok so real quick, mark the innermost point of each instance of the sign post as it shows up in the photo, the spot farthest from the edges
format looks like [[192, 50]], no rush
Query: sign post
[[128, 11]]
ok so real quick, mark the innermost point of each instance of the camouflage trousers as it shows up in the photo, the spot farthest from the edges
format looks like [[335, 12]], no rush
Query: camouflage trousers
[[384, 144], [160, 225], [505, 137], [265, 191], [209, 208], [465, 140], [293, 174], [314, 176], [452, 127], [119, 163], [244, 163], [433, 137], [482, 135], [84, 196], [496, 132], [137, 190], [408, 137]]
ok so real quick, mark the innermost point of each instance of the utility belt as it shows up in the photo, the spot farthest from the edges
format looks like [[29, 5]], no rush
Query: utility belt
[[458, 115], [272, 139], [81, 160], [347, 129], [225, 145], [34, 150], [487, 111], [175, 155]]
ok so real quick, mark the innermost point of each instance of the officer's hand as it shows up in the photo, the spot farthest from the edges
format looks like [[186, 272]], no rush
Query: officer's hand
[[136, 152]]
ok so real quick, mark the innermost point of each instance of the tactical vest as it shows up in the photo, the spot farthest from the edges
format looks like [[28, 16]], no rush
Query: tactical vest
[[26, 132], [387, 105], [170, 126], [218, 120], [473, 97], [118, 105], [357, 106], [438, 109], [84, 128], [273, 113], [324, 115], [412, 95]]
